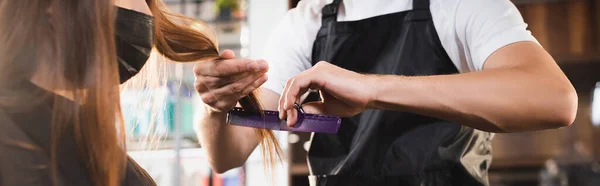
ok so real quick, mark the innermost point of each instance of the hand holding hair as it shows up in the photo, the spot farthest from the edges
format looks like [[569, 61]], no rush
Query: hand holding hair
[[222, 82]]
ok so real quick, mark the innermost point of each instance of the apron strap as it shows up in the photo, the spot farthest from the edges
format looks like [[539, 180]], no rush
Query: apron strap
[[420, 10], [420, 4], [331, 9], [329, 19]]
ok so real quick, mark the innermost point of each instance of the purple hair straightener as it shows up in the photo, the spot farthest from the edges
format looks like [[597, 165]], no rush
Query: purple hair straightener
[[270, 120]]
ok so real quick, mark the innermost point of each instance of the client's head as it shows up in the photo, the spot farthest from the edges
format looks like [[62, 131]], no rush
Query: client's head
[[83, 50]]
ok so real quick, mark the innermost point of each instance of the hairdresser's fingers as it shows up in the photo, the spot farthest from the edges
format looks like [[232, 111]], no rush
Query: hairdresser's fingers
[[315, 107], [219, 102], [231, 67], [282, 112], [215, 102], [222, 81], [200, 86], [332, 107], [284, 96], [222, 105], [220, 68], [238, 88], [228, 54], [223, 100], [292, 117], [218, 82], [226, 68], [255, 85], [297, 86], [209, 82]]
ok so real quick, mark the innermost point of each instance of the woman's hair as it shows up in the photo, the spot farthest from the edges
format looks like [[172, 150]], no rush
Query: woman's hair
[[69, 45]]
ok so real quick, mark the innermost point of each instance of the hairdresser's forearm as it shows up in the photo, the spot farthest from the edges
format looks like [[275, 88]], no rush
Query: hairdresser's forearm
[[490, 101], [522, 89], [226, 146]]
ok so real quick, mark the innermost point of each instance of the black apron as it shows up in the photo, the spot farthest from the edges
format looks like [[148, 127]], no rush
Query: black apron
[[387, 148]]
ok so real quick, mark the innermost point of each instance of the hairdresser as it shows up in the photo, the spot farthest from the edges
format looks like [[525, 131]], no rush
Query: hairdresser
[[421, 85]]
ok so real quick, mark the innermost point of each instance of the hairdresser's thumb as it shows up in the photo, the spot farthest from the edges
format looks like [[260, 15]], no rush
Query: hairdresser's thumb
[[332, 107], [228, 54], [315, 107]]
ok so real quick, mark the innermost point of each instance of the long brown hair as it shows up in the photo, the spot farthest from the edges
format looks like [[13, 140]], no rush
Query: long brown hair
[[69, 46]]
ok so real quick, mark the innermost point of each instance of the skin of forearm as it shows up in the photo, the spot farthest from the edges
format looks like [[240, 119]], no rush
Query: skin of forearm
[[226, 146], [497, 100]]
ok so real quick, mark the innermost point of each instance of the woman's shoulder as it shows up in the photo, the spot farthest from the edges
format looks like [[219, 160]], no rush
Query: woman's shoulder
[[19, 166], [21, 161], [136, 175]]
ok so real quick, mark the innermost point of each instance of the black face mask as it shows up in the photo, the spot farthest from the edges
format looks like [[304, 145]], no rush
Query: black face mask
[[134, 39]]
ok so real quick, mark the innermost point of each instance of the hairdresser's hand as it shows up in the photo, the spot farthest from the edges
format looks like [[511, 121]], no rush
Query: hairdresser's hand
[[345, 93], [222, 82]]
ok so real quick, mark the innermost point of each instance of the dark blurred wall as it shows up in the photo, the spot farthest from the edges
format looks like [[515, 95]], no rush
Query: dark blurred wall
[[569, 31], [293, 3]]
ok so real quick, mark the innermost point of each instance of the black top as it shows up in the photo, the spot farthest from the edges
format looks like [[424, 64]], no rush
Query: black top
[[386, 148], [23, 163]]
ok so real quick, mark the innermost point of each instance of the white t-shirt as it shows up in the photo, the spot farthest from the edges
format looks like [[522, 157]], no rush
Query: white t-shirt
[[469, 30]]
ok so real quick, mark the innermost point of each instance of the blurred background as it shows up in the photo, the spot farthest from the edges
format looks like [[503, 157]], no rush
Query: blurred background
[[568, 29]]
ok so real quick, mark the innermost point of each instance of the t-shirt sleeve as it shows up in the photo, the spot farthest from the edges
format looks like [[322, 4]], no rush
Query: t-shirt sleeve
[[288, 49], [484, 26]]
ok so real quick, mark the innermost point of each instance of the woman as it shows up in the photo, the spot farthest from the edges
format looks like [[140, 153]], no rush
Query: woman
[[60, 119]]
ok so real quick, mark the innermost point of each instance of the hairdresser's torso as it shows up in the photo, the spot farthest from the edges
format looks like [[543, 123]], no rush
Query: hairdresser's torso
[[25, 150], [424, 37]]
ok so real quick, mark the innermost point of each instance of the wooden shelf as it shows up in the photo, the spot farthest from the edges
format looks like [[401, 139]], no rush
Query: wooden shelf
[[299, 169], [576, 59]]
